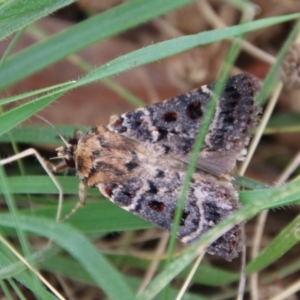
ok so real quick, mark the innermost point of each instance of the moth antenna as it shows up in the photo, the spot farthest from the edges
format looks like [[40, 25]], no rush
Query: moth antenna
[[49, 123]]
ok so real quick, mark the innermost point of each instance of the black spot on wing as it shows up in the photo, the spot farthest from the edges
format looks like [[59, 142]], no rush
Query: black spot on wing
[[131, 165], [125, 193], [118, 125], [167, 149], [156, 205], [152, 187], [109, 189], [194, 110], [169, 116], [163, 132], [160, 173]]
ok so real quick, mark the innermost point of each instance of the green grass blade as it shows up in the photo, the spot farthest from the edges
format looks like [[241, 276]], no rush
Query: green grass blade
[[79, 36], [100, 217], [15, 116], [33, 93], [106, 277], [11, 46], [14, 214], [11, 266], [71, 269], [247, 197], [270, 79], [18, 13], [283, 242], [171, 47], [160, 51]]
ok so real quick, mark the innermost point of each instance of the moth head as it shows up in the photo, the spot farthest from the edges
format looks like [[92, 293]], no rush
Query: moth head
[[66, 152]]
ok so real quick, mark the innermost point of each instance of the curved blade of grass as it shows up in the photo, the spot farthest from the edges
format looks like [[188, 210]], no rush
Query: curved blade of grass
[[153, 53], [15, 289], [250, 183], [171, 47], [18, 13], [21, 235], [34, 93], [10, 269], [283, 242], [90, 31], [15, 116], [207, 275], [106, 277], [270, 79], [287, 269], [71, 269], [15, 39], [247, 197], [43, 54]]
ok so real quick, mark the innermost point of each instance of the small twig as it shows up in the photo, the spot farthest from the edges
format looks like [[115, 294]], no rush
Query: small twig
[[214, 20], [190, 276], [30, 267], [161, 247]]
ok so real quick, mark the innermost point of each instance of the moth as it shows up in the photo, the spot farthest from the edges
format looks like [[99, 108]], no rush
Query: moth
[[138, 161]]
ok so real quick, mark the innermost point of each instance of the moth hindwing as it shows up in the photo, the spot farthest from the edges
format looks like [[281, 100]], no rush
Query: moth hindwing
[[139, 160]]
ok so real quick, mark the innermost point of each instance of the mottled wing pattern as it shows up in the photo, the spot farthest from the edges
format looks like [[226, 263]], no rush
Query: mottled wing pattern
[[139, 160], [131, 176], [169, 128], [153, 192]]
